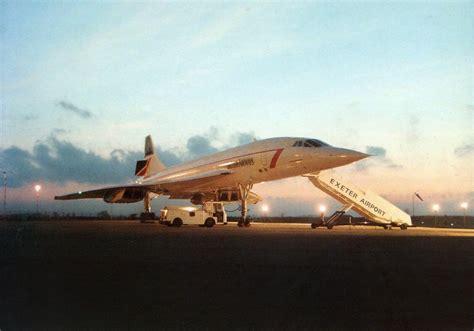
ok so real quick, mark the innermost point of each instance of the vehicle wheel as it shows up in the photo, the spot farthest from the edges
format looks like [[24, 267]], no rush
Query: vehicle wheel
[[177, 222], [314, 225], [403, 226], [209, 222], [330, 226]]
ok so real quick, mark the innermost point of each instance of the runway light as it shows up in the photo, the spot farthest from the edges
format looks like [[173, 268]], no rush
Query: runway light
[[37, 189], [265, 208]]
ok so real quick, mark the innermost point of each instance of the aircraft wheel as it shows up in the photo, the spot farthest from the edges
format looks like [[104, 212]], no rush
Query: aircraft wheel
[[387, 227], [314, 225], [330, 226], [177, 222], [403, 226], [247, 223], [209, 222], [240, 224]]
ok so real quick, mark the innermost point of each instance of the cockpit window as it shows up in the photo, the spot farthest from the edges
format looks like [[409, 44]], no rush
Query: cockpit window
[[310, 143], [316, 143], [313, 143]]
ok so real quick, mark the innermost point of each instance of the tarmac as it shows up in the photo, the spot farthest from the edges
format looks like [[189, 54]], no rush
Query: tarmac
[[130, 275]]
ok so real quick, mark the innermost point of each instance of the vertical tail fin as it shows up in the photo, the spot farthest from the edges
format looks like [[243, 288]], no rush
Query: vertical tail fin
[[151, 164]]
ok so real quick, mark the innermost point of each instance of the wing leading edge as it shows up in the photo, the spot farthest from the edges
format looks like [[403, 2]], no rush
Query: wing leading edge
[[136, 192]]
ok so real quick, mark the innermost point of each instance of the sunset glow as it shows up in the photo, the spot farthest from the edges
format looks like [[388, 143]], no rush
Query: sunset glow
[[84, 82]]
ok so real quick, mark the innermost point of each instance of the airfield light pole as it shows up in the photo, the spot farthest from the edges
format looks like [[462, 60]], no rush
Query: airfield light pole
[[4, 194], [436, 210], [37, 189], [464, 206], [415, 194]]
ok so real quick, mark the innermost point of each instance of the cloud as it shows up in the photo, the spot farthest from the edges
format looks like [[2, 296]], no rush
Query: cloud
[[199, 146], [376, 151], [379, 158], [29, 117], [464, 150], [84, 113], [60, 161], [242, 138], [59, 131]]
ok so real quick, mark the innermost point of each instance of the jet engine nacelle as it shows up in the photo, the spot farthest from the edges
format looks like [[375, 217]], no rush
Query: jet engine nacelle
[[124, 196]]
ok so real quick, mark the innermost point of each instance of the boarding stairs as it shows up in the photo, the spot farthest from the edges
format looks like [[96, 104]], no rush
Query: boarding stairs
[[365, 202], [332, 220]]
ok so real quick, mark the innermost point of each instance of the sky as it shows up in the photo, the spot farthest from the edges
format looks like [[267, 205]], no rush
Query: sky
[[82, 84]]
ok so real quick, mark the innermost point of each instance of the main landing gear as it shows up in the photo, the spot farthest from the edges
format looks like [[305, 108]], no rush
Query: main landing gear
[[147, 216], [244, 221]]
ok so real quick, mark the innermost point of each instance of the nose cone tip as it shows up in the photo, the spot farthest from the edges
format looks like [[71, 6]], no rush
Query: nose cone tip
[[361, 156], [353, 155], [347, 155]]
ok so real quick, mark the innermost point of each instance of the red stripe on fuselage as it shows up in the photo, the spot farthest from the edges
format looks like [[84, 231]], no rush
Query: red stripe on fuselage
[[275, 158]]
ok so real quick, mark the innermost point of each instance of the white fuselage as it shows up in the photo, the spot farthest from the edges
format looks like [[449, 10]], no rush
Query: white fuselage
[[260, 161]]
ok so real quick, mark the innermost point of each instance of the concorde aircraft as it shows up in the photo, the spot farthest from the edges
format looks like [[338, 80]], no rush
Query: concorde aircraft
[[226, 176]]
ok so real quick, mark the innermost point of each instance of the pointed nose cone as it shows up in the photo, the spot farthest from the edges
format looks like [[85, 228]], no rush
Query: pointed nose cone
[[356, 156], [347, 156]]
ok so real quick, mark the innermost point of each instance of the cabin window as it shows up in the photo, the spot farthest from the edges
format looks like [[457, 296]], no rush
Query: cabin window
[[192, 213], [234, 196]]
